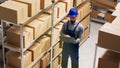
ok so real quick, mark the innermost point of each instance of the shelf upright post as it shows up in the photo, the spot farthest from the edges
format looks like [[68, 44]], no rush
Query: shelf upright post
[[3, 49], [52, 29], [21, 46]]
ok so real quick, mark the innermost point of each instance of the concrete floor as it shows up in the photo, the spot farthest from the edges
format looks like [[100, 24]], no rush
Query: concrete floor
[[87, 49]]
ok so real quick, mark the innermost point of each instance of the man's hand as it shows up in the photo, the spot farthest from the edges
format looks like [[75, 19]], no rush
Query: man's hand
[[66, 35]]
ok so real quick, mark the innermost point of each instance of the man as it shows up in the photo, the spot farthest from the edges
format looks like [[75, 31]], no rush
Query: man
[[71, 34]]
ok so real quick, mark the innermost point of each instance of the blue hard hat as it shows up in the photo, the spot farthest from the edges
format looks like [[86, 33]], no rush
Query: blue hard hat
[[73, 12]]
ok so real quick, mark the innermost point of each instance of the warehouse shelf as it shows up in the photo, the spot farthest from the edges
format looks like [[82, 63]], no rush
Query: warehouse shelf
[[21, 50], [81, 3]]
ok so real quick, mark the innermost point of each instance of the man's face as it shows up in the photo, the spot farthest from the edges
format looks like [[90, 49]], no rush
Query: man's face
[[73, 19]]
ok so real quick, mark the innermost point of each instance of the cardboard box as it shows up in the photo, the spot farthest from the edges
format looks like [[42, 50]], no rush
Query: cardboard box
[[42, 41], [79, 2], [45, 3], [55, 63], [94, 13], [86, 8], [86, 32], [69, 4], [109, 17], [107, 3], [13, 59], [38, 27], [56, 33], [61, 11], [55, 14], [13, 36], [32, 6], [108, 63], [24, 8], [46, 18], [36, 50], [56, 49], [60, 59], [86, 21], [37, 65], [45, 61], [109, 36], [15, 14]]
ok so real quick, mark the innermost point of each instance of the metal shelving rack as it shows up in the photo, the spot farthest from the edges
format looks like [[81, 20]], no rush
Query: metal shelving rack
[[103, 8], [22, 50]]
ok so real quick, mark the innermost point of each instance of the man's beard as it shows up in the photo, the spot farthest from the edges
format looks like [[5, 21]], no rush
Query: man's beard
[[72, 22]]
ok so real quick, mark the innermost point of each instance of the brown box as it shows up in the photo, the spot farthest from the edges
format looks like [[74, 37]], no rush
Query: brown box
[[37, 65], [94, 13], [61, 11], [13, 59], [86, 8], [69, 4], [38, 27], [13, 36], [86, 32], [79, 2], [31, 6], [12, 13], [56, 32], [23, 6], [36, 50], [55, 63], [56, 49], [60, 59], [108, 63], [107, 3], [86, 21], [42, 41], [45, 3], [109, 17], [109, 37], [45, 61], [55, 14], [46, 18]]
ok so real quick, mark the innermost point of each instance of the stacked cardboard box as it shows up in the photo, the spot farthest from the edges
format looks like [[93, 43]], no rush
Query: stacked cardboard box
[[40, 25], [13, 36], [83, 10], [13, 12], [55, 63], [45, 3], [8, 66], [45, 61], [13, 59], [86, 21], [94, 13], [61, 11], [40, 47], [107, 3], [109, 60], [109, 17], [69, 4], [33, 6], [79, 2], [56, 49], [56, 32]]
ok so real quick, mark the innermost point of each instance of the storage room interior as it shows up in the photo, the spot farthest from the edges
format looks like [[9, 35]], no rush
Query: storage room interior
[[30, 33]]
